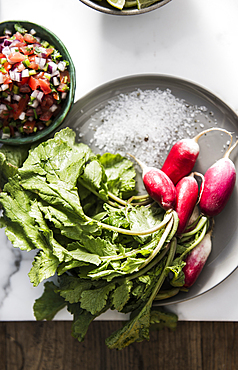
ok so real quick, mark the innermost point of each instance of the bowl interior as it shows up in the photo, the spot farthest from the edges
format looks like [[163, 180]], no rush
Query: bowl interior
[[49, 36], [104, 7]]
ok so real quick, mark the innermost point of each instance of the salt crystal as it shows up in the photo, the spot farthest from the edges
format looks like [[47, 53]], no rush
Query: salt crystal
[[154, 114]]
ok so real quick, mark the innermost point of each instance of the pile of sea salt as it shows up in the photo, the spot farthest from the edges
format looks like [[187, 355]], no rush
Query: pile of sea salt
[[146, 124]]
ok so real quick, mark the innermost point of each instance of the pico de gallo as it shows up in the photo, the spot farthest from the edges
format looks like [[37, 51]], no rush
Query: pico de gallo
[[34, 82]]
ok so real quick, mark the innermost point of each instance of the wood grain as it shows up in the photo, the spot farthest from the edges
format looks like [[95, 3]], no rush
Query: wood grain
[[50, 346]]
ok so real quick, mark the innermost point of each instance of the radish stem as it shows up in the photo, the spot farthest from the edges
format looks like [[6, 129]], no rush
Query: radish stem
[[160, 244], [197, 137], [167, 218], [200, 224], [163, 274], [117, 199], [228, 152], [165, 294], [197, 241]]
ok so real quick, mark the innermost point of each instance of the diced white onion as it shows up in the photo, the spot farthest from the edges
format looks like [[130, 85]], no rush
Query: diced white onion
[[6, 50], [63, 95], [12, 75], [42, 63], [18, 76], [8, 98], [53, 67], [25, 73], [32, 31], [3, 107], [56, 81], [16, 97], [40, 96], [61, 66], [13, 49], [53, 108], [34, 104], [7, 32], [22, 116], [5, 135], [4, 87], [35, 93], [1, 78]]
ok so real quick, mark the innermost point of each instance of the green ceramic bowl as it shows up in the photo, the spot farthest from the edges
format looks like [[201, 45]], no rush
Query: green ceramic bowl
[[49, 36]]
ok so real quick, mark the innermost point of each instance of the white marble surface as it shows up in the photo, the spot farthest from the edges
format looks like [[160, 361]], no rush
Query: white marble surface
[[194, 40]]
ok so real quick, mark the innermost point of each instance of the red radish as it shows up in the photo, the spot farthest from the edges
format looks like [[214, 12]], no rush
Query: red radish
[[196, 260], [158, 185], [187, 195], [182, 156], [219, 182]]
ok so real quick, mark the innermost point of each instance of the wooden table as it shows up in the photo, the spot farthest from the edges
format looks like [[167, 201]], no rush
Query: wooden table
[[49, 346]]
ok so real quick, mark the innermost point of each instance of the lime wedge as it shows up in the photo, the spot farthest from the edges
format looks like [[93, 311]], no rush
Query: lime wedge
[[119, 4], [145, 3], [130, 3]]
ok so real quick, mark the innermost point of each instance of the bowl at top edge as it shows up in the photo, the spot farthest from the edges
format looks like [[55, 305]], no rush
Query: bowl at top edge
[[104, 7], [45, 34]]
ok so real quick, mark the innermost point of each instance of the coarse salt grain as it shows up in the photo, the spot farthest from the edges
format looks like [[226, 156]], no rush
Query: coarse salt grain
[[146, 124]]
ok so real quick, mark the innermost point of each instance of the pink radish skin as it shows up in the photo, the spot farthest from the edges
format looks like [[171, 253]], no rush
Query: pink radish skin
[[158, 185], [196, 260], [219, 182], [183, 155], [187, 195], [181, 159]]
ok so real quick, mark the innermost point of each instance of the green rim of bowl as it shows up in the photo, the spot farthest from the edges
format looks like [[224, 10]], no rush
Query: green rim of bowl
[[49, 36]]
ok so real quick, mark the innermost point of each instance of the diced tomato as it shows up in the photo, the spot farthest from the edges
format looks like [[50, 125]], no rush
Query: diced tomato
[[29, 38], [7, 66], [32, 58], [21, 106], [19, 36], [24, 81], [56, 96], [39, 75], [26, 50], [12, 130], [4, 115], [2, 55], [47, 102], [45, 86], [19, 44], [24, 88], [29, 126], [20, 66], [62, 87], [49, 51], [7, 80], [33, 83], [46, 116], [64, 76], [34, 65], [16, 57]]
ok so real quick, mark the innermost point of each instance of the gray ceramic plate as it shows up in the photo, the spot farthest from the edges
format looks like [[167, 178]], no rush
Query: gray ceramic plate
[[224, 257]]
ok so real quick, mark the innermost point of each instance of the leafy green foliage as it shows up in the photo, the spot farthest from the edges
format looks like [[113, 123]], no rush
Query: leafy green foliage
[[46, 307], [61, 200]]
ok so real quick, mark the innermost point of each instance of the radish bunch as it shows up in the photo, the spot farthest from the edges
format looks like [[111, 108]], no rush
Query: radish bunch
[[174, 187]]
